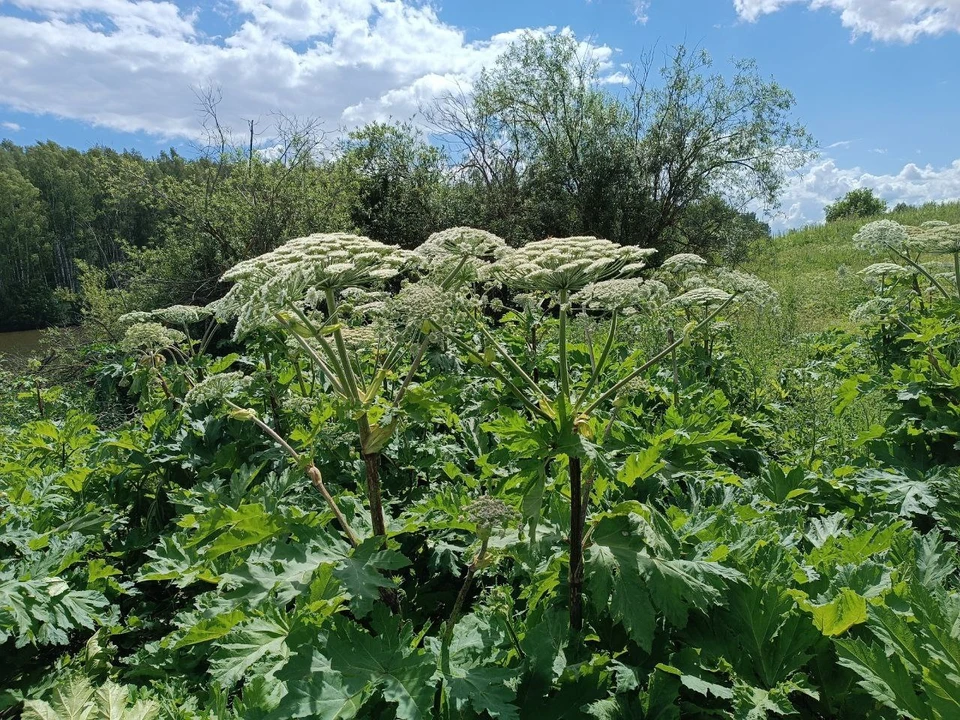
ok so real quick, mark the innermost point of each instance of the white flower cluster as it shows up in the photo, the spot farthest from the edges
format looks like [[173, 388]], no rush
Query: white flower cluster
[[150, 336], [418, 303], [569, 264], [682, 263], [942, 238], [702, 296], [182, 314], [887, 270], [882, 236], [336, 261], [469, 247], [620, 294], [215, 388], [871, 310], [132, 318], [748, 288]]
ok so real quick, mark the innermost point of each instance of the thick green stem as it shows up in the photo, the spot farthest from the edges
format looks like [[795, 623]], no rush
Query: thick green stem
[[564, 370], [511, 363], [956, 270], [654, 360], [371, 464], [923, 271], [462, 595], [342, 349], [601, 362], [414, 366], [577, 515]]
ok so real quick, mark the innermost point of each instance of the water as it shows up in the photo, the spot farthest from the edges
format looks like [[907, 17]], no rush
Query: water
[[19, 345]]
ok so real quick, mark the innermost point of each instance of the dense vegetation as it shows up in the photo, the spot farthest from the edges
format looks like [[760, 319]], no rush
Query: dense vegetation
[[470, 481], [540, 147]]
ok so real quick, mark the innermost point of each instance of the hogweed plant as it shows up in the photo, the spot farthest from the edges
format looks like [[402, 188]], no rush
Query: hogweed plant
[[312, 288], [602, 277]]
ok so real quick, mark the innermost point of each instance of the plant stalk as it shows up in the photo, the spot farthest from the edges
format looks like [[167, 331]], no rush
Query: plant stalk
[[576, 543]]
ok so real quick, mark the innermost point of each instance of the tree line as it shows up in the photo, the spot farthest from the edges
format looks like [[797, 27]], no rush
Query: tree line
[[547, 142]]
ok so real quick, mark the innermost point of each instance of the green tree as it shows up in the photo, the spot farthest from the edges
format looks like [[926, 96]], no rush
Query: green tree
[[859, 203], [398, 181]]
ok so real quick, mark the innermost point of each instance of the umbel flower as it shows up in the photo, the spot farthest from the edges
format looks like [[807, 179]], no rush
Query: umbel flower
[[132, 318], [887, 269], [215, 388], [702, 297], [883, 236], [941, 239], [319, 263], [618, 294], [489, 513], [683, 263], [150, 336], [182, 314], [568, 264], [463, 251]]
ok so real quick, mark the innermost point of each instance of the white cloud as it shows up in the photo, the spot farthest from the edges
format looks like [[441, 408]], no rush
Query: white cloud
[[823, 182], [886, 20], [840, 144], [131, 64], [11, 126], [640, 11]]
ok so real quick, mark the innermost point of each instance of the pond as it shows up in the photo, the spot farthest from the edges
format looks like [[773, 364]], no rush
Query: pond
[[20, 344]]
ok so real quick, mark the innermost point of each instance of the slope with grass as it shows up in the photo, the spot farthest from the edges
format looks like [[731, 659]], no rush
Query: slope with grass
[[810, 267]]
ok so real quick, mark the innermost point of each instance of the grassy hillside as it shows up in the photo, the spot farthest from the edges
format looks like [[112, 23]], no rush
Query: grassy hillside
[[811, 267]]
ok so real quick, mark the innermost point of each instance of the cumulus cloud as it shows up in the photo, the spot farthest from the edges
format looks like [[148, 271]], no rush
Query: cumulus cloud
[[824, 181], [885, 20], [11, 126], [130, 64]]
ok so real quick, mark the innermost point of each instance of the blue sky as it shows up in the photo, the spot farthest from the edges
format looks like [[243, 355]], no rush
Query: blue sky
[[877, 82]]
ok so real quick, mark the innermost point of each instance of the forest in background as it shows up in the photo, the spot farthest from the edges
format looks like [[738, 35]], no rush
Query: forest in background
[[539, 147]]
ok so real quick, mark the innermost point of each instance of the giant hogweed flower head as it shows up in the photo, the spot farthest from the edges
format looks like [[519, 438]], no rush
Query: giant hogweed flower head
[[182, 314], [941, 239], [135, 317], [264, 285], [490, 513], [748, 288], [682, 263], [568, 264], [215, 388], [150, 336], [887, 269], [702, 297], [471, 249], [418, 304], [618, 294], [882, 236]]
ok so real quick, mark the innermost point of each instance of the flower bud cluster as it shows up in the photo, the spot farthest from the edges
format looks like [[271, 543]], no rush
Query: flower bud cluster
[[215, 388], [489, 513]]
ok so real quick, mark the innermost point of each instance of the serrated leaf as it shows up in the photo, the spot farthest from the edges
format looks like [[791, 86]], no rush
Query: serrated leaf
[[259, 642], [385, 662]]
